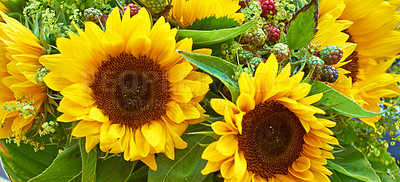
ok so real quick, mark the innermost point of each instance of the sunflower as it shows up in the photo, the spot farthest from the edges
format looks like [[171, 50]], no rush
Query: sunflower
[[187, 11], [373, 28], [356, 79], [21, 93], [128, 86], [271, 134]]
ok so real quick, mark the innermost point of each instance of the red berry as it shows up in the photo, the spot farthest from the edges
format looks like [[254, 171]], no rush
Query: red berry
[[268, 7], [134, 9], [273, 33]]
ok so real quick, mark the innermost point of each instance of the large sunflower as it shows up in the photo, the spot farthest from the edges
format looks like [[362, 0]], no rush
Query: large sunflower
[[356, 78], [128, 86], [271, 134], [187, 11], [21, 94]]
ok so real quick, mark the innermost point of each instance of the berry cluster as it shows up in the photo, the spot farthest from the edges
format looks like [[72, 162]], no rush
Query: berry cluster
[[315, 63], [155, 6], [133, 8], [281, 51], [254, 36], [273, 33], [331, 54], [93, 15], [268, 7], [329, 74], [254, 62], [244, 56]]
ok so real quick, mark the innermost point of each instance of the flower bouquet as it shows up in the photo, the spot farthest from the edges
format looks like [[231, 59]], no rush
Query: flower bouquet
[[199, 90]]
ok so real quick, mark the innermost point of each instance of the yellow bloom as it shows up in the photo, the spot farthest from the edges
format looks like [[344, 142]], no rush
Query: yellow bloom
[[187, 11], [373, 28], [340, 26], [129, 86], [271, 133], [19, 54]]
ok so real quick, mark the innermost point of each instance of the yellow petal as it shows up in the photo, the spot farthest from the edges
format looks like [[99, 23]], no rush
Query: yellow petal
[[305, 175], [91, 141], [178, 72], [301, 164], [97, 114], [175, 113], [153, 133], [245, 102], [227, 145], [211, 167], [227, 169], [221, 106], [143, 146], [113, 43], [240, 164], [246, 85], [79, 94], [86, 128], [222, 128], [150, 161]]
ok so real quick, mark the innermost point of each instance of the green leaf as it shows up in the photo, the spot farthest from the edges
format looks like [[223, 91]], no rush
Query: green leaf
[[208, 37], [302, 26], [353, 163], [187, 164], [217, 67], [213, 23], [387, 172], [139, 174], [22, 163], [65, 167], [339, 177], [89, 162], [343, 104], [114, 169]]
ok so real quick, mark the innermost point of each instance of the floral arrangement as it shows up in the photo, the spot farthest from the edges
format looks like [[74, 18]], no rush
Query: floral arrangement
[[199, 90]]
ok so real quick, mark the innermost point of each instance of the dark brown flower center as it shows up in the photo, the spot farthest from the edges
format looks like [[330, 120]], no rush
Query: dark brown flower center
[[352, 66], [271, 139], [131, 91]]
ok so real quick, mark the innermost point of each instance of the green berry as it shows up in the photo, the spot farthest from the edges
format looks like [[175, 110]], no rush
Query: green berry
[[281, 51], [155, 6], [316, 62], [331, 54], [254, 62], [244, 56], [254, 36]]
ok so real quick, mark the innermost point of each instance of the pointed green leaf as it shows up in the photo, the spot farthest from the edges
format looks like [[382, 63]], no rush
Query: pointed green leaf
[[89, 162], [208, 37], [140, 174], [187, 164], [387, 172], [114, 169], [213, 23], [217, 67], [22, 163], [351, 162], [302, 26], [65, 167], [341, 103]]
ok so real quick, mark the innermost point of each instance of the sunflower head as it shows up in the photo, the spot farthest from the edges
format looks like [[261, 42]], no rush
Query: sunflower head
[[128, 86], [271, 132], [187, 11], [362, 77], [22, 94]]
